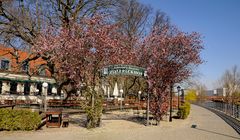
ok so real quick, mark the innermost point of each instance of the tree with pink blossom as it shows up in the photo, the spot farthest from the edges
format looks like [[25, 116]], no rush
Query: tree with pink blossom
[[169, 56], [76, 55]]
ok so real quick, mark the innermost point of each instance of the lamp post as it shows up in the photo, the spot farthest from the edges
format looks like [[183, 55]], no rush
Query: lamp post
[[148, 100], [121, 93], [170, 117], [139, 94], [178, 89], [45, 85], [182, 96], [37, 101]]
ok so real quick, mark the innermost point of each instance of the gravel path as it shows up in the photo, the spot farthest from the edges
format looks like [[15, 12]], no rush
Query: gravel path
[[208, 127]]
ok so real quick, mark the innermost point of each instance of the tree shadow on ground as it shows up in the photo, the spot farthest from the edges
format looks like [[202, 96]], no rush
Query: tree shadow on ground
[[135, 118], [209, 131], [138, 119], [81, 121]]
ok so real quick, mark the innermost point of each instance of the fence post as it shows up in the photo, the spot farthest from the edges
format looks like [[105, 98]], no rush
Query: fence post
[[238, 111], [233, 111]]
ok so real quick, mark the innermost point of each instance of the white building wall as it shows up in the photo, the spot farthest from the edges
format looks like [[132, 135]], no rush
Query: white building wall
[[20, 88], [5, 87], [33, 88]]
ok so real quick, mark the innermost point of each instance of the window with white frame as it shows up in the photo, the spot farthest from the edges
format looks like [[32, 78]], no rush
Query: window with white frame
[[5, 64]]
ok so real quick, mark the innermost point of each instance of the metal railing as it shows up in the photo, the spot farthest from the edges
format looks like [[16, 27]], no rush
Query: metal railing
[[229, 109], [228, 112]]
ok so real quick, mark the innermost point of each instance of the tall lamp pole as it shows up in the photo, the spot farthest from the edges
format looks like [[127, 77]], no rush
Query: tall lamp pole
[[139, 96], [178, 89], [182, 95], [171, 94], [148, 100], [121, 93], [45, 85]]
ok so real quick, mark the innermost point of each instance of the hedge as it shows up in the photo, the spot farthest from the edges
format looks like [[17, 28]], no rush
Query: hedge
[[19, 120], [184, 110]]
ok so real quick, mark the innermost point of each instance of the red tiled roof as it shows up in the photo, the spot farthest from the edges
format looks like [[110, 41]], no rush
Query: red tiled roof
[[8, 53]]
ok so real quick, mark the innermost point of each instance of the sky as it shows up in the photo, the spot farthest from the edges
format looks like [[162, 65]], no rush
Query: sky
[[218, 21]]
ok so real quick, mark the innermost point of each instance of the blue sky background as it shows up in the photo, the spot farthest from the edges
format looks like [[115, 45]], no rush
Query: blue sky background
[[218, 21]]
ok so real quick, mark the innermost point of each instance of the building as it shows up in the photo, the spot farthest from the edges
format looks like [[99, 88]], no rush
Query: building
[[210, 93], [20, 80], [221, 92]]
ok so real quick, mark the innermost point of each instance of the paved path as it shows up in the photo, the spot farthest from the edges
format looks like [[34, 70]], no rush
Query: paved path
[[209, 127]]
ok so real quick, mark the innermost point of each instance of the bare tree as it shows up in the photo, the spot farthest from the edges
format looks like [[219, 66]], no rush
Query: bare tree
[[231, 81], [201, 92], [161, 21], [17, 22], [133, 17], [22, 20]]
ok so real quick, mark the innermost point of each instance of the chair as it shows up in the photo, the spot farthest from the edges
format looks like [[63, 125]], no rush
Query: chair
[[65, 120]]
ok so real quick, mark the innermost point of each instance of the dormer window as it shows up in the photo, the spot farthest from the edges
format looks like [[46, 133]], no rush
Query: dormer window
[[5, 64], [25, 66], [42, 71]]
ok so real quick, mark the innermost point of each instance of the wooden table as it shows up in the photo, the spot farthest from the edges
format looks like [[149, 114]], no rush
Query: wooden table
[[53, 118]]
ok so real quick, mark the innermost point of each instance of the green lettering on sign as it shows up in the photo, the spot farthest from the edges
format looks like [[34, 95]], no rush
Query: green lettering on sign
[[123, 70]]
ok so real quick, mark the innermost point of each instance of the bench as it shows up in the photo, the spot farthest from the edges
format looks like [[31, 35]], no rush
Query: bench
[[65, 120]]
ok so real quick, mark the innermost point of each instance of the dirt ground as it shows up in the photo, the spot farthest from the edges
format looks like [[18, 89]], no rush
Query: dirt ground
[[117, 126]]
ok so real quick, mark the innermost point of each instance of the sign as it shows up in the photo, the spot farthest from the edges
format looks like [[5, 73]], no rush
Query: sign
[[124, 70]]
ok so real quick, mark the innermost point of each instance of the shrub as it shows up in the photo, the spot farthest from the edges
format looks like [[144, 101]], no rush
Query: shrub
[[93, 107], [191, 96], [184, 110], [19, 120]]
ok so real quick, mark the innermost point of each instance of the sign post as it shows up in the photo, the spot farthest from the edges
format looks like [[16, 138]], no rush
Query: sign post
[[123, 70], [128, 70]]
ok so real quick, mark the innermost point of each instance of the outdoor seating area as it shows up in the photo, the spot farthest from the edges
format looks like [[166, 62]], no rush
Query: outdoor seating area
[[55, 118], [126, 104], [51, 102], [63, 103], [17, 102]]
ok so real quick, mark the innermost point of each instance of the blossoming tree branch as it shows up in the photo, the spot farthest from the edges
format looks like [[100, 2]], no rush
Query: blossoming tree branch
[[75, 55]]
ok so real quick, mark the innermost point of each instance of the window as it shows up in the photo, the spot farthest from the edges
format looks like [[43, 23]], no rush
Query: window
[[0, 87], [5, 64], [25, 66], [13, 87], [26, 88], [49, 90], [39, 87]]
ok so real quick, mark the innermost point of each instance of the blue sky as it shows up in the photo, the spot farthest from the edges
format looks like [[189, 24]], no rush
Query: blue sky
[[218, 21]]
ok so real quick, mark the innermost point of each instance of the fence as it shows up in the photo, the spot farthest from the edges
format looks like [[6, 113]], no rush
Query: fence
[[229, 109]]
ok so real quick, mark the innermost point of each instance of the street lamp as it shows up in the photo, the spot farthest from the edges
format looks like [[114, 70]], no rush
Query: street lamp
[[45, 85], [171, 94], [182, 95], [121, 93], [139, 94], [178, 89]]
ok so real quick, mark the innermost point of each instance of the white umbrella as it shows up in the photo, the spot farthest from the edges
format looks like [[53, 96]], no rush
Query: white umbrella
[[104, 89], [108, 92], [115, 91]]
